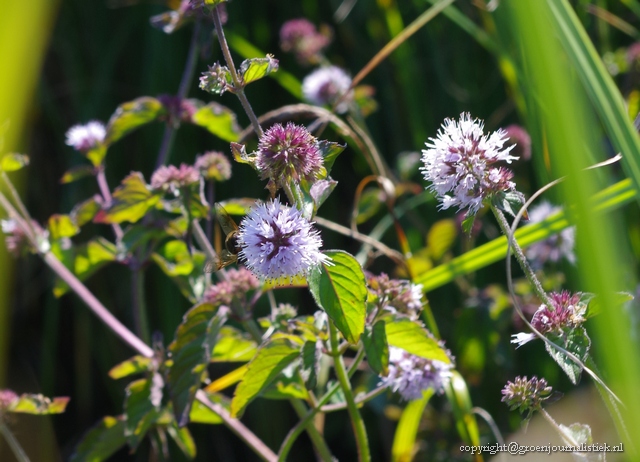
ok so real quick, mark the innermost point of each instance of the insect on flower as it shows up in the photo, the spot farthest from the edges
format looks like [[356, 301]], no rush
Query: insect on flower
[[229, 254]]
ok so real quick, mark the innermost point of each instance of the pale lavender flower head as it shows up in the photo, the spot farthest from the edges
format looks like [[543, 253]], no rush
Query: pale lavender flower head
[[554, 247], [567, 311], [279, 242], [172, 178], [526, 395], [302, 38], [214, 165], [411, 375], [288, 152], [460, 164], [86, 137], [326, 85]]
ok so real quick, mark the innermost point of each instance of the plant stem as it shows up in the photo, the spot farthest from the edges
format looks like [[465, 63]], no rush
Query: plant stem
[[343, 378], [185, 83], [237, 84], [568, 439], [316, 438], [140, 318], [106, 196], [21, 456]]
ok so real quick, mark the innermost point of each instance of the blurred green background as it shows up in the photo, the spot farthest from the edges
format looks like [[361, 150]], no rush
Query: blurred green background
[[74, 61]]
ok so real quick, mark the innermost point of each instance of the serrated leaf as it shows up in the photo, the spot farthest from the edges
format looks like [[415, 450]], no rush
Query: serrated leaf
[[218, 120], [62, 226], [131, 115], [233, 345], [257, 68], [191, 350], [377, 348], [330, 152], [38, 404], [135, 365], [240, 155], [131, 200], [13, 161], [574, 340], [270, 360], [412, 337], [85, 260], [202, 414], [310, 364], [101, 441], [441, 237], [183, 439], [141, 408], [341, 291], [77, 173], [85, 211]]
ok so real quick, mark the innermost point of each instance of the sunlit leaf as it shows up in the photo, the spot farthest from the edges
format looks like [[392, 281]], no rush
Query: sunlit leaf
[[13, 161], [441, 237], [330, 152], [183, 439], [341, 291], [85, 211], [131, 115], [191, 351], [458, 395], [174, 258], [101, 441], [376, 347], [135, 365], [62, 226], [219, 120], [227, 380], [77, 173], [233, 345], [141, 408], [412, 337], [574, 340], [310, 363], [285, 387], [38, 404], [404, 440], [270, 360], [257, 68], [202, 414], [131, 200]]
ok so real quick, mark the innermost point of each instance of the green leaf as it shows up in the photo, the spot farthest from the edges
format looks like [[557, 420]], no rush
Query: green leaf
[[462, 407], [270, 360], [85, 211], [377, 348], [581, 434], [404, 440], [62, 226], [341, 291], [38, 404], [131, 201], [285, 387], [257, 68], [174, 258], [310, 364], [183, 439], [101, 441], [135, 365], [441, 237], [191, 351], [574, 340], [86, 260], [131, 115], [12, 161], [219, 120], [233, 345], [202, 414], [142, 407], [412, 337], [368, 205], [77, 173], [330, 152]]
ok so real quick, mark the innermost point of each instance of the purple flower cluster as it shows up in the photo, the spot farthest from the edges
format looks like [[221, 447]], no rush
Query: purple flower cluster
[[459, 163], [214, 165], [238, 283], [279, 242], [397, 295], [302, 38], [411, 375], [526, 395], [172, 178]]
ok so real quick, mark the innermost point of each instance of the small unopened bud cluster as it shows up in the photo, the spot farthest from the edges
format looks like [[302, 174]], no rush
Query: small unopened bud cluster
[[216, 80], [238, 283], [526, 395], [396, 295], [214, 165], [171, 178]]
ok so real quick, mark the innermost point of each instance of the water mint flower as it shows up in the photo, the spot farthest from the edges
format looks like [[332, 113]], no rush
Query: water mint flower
[[410, 375], [86, 137], [567, 311], [555, 247], [172, 178], [288, 152], [279, 242], [214, 165], [526, 395], [325, 85], [460, 164]]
